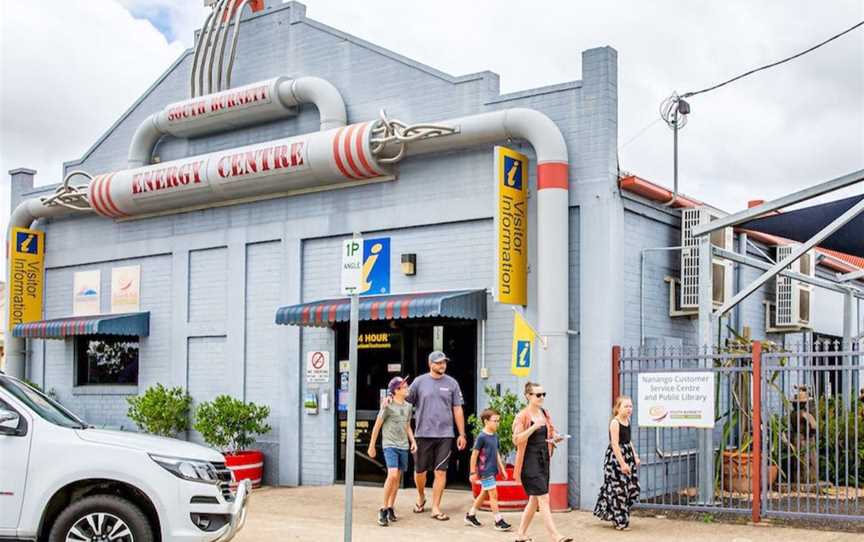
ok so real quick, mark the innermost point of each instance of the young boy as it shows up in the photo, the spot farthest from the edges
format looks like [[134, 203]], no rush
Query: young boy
[[486, 463], [394, 423]]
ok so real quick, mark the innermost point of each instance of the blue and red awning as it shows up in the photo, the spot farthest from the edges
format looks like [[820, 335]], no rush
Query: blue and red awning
[[131, 324], [465, 304]]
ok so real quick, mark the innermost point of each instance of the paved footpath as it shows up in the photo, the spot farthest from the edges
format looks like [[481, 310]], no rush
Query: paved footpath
[[315, 514]]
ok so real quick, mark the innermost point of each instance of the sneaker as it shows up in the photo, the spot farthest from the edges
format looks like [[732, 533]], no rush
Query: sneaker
[[472, 520], [391, 515], [502, 525], [383, 520]]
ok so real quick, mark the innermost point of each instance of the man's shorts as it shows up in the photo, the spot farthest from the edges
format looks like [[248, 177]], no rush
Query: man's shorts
[[432, 454], [488, 483], [396, 458]]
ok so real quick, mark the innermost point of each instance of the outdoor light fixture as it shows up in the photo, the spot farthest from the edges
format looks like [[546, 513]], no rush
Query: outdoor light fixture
[[409, 264]]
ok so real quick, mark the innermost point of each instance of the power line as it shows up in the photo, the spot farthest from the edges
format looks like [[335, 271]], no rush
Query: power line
[[802, 53]]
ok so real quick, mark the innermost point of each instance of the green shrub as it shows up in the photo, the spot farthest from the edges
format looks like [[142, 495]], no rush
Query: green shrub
[[508, 406], [33, 385], [161, 411], [841, 441], [231, 425]]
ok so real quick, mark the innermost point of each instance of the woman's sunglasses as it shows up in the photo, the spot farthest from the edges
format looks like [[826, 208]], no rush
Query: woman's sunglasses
[[540, 395]]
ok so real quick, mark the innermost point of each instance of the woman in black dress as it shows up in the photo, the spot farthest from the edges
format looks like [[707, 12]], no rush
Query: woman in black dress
[[620, 481], [535, 438]]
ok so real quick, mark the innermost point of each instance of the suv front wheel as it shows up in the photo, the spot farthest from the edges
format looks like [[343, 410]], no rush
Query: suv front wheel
[[101, 518]]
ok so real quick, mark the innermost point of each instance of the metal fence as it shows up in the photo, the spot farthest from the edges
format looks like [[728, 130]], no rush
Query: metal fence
[[805, 458]]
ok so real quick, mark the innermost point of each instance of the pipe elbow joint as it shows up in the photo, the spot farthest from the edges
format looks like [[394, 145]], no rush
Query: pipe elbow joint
[[144, 142], [539, 130], [321, 93]]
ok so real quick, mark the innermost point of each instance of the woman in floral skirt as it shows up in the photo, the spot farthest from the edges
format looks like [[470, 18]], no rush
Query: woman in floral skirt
[[620, 481]]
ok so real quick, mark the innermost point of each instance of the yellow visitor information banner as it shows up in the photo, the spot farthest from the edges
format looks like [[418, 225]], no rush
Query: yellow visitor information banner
[[511, 226], [523, 346], [26, 275]]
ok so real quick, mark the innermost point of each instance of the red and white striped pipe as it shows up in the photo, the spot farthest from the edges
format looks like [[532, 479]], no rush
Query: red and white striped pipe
[[303, 163]]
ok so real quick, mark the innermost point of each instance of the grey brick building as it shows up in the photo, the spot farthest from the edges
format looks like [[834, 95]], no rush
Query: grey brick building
[[212, 279]]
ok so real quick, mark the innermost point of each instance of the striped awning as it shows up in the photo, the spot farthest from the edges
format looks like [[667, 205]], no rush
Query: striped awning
[[132, 323], [466, 304]]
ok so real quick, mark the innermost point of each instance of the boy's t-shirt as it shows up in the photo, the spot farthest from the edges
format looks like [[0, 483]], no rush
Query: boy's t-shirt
[[487, 460], [394, 433]]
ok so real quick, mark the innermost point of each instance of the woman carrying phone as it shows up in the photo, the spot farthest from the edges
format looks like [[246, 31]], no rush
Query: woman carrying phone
[[535, 439], [620, 482]]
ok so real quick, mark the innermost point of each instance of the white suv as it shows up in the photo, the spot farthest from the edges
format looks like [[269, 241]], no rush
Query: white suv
[[62, 481]]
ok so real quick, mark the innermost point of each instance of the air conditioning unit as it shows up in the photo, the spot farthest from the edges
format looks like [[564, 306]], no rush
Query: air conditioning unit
[[793, 298], [675, 309], [721, 269]]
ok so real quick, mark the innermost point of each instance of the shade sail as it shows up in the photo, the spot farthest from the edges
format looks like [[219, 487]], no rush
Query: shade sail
[[466, 304], [802, 224], [133, 323]]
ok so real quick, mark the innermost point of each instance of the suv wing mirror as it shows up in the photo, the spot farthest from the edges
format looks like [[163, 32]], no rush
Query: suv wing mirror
[[9, 422]]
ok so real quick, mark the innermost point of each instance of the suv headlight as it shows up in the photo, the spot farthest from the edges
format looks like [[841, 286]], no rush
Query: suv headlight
[[188, 469]]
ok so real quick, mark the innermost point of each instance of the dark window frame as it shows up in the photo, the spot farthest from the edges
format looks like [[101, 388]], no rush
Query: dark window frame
[[82, 373]]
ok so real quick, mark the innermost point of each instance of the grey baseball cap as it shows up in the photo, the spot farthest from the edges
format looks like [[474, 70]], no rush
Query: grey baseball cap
[[438, 356]]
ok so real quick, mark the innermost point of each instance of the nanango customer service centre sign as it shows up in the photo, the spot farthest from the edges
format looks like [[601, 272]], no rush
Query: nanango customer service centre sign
[[681, 399]]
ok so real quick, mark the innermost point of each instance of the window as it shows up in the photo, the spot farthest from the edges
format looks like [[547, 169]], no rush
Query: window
[[106, 360]]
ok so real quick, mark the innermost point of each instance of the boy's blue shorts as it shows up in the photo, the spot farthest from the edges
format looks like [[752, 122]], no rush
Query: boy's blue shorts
[[488, 483], [396, 458]]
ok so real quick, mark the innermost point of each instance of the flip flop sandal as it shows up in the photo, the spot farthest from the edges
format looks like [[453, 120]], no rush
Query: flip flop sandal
[[440, 516], [524, 540], [565, 539], [420, 508]]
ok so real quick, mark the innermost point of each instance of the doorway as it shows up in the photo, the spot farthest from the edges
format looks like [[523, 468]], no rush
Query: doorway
[[398, 348]]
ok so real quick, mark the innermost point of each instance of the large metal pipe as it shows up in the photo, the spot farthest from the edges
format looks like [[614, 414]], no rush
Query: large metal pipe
[[552, 249], [24, 216], [344, 155], [301, 163], [234, 108]]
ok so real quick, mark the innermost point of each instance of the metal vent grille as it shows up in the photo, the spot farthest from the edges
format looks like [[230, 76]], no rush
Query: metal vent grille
[[689, 259], [784, 291]]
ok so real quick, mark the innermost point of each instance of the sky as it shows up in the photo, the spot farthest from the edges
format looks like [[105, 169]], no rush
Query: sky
[[70, 68]]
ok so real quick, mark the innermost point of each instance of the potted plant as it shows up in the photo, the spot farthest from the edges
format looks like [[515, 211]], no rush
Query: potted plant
[[161, 411], [737, 463], [231, 425], [511, 496]]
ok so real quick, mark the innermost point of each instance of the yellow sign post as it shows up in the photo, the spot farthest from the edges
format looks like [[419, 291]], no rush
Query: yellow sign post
[[523, 346], [26, 275], [511, 226]]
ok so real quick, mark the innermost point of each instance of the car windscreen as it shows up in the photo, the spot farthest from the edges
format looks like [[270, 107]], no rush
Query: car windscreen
[[41, 404]]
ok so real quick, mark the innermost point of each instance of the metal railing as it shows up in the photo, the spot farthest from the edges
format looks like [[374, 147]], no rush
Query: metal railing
[[805, 458]]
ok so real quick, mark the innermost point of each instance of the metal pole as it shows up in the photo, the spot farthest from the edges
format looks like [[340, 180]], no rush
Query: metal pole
[[706, 320], [756, 474], [352, 416], [848, 315], [823, 234], [351, 429], [780, 203]]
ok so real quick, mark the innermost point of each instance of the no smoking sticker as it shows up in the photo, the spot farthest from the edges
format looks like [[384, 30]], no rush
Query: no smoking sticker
[[318, 367]]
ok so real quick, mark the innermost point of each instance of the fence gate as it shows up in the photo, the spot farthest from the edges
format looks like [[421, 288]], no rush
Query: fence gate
[[806, 460]]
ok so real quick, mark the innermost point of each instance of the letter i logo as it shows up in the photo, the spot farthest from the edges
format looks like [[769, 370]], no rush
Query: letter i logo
[[375, 274], [26, 243]]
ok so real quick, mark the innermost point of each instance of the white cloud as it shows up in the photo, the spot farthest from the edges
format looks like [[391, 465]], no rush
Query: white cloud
[[68, 70]]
